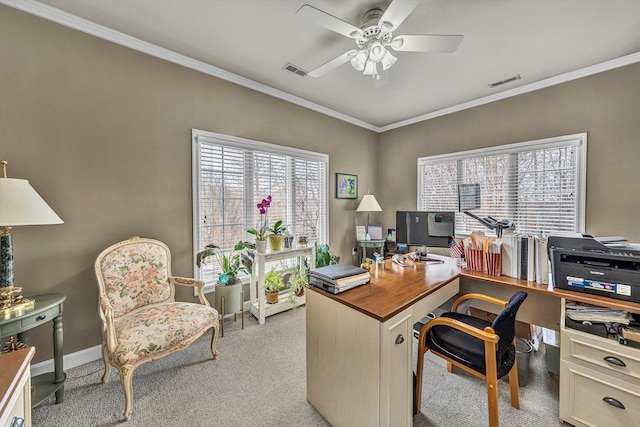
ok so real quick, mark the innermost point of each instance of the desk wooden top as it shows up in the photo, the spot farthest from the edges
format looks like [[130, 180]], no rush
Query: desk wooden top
[[14, 364], [523, 285], [394, 288]]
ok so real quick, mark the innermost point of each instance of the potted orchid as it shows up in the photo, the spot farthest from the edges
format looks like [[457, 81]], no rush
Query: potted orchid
[[261, 229]]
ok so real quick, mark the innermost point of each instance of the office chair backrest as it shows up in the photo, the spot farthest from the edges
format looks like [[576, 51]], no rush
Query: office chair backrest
[[505, 323]]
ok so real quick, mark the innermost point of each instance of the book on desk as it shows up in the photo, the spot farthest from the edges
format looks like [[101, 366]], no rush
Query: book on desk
[[338, 278]]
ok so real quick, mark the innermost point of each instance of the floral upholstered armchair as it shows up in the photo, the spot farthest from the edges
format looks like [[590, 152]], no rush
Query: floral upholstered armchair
[[141, 321]]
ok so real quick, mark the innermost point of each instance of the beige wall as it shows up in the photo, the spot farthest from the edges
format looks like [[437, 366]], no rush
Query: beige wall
[[103, 133], [604, 105]]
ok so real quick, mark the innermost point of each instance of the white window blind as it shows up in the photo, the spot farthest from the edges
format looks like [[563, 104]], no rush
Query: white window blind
[[540, 185], [232, 175]]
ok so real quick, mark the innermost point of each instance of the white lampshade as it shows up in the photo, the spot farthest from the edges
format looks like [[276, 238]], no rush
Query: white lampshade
[[21, 205], [369, 204]]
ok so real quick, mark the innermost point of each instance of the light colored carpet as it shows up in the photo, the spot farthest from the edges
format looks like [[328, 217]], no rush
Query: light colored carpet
[[259, 380]]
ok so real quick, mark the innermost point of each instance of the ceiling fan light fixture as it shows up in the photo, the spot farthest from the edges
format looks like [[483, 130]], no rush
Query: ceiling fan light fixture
[[359, 60], [397, 43], [371, 69], [386, 27], [376, 52], [388, 60]]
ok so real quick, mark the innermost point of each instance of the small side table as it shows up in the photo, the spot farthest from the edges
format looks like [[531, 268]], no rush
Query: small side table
[[47, 307], [363, 245]]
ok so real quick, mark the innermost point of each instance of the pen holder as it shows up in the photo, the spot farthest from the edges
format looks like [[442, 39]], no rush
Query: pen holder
[[474, 258], [493, 263]]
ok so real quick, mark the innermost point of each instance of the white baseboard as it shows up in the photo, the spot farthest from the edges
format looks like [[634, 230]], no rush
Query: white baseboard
[[69, 360]]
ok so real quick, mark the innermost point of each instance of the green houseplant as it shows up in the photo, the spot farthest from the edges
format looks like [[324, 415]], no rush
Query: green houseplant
[[324, 257], [297, 282], [277, 235], [273, 284], [230, 263]]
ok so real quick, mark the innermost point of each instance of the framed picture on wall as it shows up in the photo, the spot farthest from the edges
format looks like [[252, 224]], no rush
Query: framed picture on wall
[[346, 186], [375, 231]]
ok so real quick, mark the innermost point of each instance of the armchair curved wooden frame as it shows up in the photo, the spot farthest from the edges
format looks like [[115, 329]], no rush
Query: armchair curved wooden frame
[[490, 339], [141, 321]]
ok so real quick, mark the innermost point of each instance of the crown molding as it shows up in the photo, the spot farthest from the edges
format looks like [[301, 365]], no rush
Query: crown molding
[[72, 21], [541, 84]]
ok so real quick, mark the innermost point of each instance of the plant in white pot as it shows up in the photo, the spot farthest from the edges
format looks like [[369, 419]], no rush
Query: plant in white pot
[[229, 297], [261, 229]]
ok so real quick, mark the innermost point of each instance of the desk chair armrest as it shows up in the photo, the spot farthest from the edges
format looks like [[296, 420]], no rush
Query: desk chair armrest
[[486, 335], [482, 297], [198, 284]]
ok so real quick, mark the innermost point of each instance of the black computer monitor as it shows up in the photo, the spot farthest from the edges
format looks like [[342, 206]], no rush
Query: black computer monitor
[[424, 228]]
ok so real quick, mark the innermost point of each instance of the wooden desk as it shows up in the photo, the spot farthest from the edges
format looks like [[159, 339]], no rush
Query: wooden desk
[[15, 386], [359, 343]]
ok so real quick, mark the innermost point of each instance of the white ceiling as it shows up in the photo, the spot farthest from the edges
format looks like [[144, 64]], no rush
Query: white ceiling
[[254, 39]]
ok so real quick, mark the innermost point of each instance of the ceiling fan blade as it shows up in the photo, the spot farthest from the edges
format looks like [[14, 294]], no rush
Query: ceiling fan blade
[[426, 43], [334, 63], [397, 12], [328, 21]]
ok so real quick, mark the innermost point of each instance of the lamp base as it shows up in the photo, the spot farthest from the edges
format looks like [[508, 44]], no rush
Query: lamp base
[[10, 303]]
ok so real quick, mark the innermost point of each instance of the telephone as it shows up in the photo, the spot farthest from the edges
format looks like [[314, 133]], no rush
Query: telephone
[[399, 259]]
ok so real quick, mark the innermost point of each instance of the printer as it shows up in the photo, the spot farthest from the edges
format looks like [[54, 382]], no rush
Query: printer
[[601, 267]]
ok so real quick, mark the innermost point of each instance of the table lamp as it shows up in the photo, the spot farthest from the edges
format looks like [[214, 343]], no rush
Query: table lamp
[[19, 205], [368, 204]]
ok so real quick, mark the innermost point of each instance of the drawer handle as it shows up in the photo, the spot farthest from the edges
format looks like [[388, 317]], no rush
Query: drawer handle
[[613, 402], [399, 339], [17, 422], [41, 317], [615, 361]]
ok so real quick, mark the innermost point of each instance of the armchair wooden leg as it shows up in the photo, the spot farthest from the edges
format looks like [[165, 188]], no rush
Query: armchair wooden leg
[[214, 336], [449, 367], [107, 365], [513, 385], [126, 377]]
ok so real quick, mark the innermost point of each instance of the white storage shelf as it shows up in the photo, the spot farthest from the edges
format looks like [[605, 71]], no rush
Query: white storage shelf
[[259, 307]]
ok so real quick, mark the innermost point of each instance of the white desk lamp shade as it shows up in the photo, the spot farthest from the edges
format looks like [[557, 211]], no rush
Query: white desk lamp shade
[[369, 204], [21, 205]]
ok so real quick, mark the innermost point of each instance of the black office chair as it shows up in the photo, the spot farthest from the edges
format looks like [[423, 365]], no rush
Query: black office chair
[[484, 349]]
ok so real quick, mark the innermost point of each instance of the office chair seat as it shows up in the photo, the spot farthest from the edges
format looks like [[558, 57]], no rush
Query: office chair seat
[[464, 348]]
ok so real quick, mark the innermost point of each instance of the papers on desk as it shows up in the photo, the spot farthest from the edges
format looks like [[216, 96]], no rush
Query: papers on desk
[[589, 313]]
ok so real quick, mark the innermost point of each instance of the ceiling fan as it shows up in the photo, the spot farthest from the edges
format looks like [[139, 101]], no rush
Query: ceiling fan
[[374, 38]]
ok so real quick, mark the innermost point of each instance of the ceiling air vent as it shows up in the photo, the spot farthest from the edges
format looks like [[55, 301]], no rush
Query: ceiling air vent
[[295, 70], [509, 80]]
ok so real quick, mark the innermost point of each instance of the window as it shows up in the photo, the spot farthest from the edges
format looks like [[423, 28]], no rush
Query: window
[[232, 175], [540, 185]]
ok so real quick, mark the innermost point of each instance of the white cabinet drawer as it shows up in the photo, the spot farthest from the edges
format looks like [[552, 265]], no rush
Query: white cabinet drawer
[[585, 404], [621, 361]]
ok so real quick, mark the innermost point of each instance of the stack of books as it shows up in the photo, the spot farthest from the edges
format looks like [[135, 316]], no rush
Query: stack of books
[[338, 278]]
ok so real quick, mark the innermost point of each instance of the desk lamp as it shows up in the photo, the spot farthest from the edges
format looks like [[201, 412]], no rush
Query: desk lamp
[[368, 204], [19, 205]]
